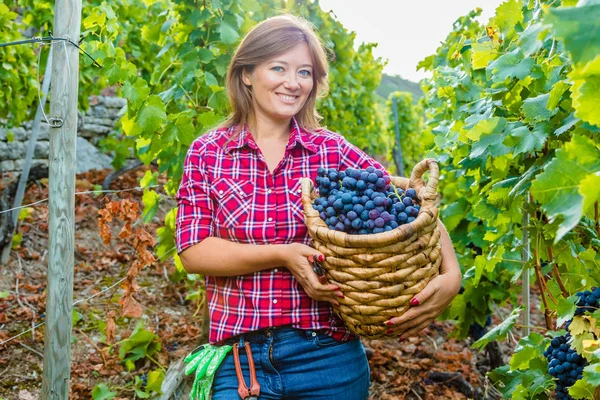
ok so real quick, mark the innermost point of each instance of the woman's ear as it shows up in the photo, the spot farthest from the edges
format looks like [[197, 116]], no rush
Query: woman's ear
[[246, 78]]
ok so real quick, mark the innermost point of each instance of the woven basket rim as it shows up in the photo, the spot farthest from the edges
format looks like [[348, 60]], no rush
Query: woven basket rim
[[405, 230]]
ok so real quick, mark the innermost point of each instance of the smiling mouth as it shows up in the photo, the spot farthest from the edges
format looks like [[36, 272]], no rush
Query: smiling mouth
[[287, 98]]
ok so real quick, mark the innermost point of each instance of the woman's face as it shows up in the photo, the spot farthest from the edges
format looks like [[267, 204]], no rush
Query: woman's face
[[281, 85]]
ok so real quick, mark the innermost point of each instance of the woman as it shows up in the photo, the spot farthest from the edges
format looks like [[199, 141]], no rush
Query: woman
[[240, 224]]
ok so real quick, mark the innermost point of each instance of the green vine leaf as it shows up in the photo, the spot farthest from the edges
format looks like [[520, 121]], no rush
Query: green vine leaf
[[136, 92], [228, 33], [510, 65], [530, 140], [535, 109], [499, 331], [152, 114], [557, 188]]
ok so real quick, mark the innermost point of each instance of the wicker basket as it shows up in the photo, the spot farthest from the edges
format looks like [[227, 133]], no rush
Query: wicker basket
[[380, 273]]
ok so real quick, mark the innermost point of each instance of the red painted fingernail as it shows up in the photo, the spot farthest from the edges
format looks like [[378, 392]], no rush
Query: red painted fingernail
[[414, 301], [389, 331], [321, 257], [389, 323]]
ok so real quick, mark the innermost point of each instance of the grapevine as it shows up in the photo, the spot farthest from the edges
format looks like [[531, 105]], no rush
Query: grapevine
[[510, 107]]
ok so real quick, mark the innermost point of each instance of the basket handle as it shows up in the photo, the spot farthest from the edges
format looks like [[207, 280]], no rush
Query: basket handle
[[426, 191]]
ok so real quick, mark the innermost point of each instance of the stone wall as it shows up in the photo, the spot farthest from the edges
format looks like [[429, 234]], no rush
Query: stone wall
[[94, 125]]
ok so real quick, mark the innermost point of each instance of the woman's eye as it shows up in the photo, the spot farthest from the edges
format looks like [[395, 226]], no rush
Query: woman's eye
[[305, 72], [277, 69]]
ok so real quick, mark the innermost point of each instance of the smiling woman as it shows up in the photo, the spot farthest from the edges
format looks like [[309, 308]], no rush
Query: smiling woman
[[280, 87], [238, 225]]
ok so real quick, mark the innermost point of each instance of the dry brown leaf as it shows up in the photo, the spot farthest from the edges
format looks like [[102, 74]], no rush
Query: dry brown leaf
[[130, 307], [111, 326]]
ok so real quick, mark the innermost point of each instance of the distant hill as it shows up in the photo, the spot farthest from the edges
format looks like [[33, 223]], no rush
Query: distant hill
[[392, 83]]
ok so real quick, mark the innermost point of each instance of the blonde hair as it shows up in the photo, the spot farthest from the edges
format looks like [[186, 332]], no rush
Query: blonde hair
[[270, 38]]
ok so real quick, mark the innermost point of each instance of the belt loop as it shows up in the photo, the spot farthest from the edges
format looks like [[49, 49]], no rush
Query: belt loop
[[241, 341]]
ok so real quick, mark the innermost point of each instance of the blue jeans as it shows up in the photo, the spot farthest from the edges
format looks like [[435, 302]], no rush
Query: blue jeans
[[297, 364]]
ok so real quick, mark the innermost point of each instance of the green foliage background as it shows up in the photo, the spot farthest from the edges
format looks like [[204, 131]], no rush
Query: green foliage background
[[414, 138], [514, 111]]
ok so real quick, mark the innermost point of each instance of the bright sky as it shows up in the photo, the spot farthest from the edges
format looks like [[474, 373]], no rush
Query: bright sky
[[406, 31]]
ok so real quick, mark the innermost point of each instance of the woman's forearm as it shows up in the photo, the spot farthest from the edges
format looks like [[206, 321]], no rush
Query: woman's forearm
[[220, 257], [450, 266]]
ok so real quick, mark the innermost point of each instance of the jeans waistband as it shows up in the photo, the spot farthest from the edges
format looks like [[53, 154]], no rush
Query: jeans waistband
[[267, 334]]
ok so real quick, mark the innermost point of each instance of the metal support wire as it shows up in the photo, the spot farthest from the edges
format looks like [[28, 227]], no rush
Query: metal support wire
[[50, 38]]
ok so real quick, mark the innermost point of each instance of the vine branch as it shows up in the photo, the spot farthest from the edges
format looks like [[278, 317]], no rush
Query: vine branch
[[563, 289], [541, 284]]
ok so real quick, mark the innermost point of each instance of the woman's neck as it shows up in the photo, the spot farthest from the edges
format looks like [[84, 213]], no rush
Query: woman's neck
[[267, 129]]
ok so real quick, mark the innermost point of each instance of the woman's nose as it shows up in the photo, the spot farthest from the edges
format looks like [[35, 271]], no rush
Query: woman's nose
[[291, 82]]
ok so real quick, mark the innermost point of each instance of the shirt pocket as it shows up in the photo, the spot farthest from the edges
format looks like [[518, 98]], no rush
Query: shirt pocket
[[295, 199], [234, 201]]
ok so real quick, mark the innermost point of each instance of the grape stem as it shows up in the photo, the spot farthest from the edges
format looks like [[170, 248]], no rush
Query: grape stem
[[400, 197], [596, 218], [563, 289], [541, 284], [541, 328]]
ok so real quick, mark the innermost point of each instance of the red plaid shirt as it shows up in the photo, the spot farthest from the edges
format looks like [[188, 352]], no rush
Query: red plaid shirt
[[228, 192]]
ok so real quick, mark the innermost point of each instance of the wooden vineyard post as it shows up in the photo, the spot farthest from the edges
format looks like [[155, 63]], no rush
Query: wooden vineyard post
[[35, 131], [525, 290], [63, 135], [398, 158]]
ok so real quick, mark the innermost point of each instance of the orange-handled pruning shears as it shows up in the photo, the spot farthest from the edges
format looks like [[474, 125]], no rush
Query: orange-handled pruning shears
[[318, 268]]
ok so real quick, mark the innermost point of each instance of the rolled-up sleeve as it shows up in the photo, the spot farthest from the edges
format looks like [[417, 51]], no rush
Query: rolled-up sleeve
[[194, 206]]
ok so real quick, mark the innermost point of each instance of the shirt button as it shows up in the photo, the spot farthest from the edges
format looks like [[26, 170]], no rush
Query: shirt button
[[270, 191], [270, 219], [275, 301], [275, 270], [220, 192], [299, 190]]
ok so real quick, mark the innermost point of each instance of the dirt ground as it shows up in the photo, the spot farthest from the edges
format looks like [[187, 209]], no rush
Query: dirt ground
[[404, 370]]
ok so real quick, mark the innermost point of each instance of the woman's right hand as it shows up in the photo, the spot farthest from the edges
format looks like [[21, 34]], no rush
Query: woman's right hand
[[296, 260]]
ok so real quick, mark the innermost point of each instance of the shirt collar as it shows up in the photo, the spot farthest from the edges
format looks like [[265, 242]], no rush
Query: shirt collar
[[297, 135], [301, 136]]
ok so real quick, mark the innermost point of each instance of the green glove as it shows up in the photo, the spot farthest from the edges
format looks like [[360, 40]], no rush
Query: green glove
[[205, 363]]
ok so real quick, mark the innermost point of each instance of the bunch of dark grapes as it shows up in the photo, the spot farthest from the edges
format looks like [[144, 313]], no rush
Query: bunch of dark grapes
[[564, 364], [362, 201], [588, 301], [477, 331], [144, 379]]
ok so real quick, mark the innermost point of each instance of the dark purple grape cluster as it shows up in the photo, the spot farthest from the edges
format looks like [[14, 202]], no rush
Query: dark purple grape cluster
[[588, 301], [362, 201], [564, 364], [477, 331]]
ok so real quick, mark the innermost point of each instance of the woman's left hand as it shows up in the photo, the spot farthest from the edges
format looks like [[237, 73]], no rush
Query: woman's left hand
[[437, 295]]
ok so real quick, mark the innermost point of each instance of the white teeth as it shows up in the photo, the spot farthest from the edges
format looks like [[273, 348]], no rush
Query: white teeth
[[287, 98]]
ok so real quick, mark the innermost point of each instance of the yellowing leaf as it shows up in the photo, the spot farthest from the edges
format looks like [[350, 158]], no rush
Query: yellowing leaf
[[589, 189], [556, 94], [579, 325], [508, 14], [482, 54], [586, 98]]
